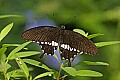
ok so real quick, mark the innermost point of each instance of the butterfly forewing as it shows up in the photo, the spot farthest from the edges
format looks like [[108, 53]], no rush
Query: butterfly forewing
[[41, 34], [80, 43]]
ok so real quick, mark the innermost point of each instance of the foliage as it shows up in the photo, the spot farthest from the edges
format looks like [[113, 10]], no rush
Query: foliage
[[7, 71]]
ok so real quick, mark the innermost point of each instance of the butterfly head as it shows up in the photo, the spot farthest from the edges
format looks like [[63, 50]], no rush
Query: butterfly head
[[62, 27]]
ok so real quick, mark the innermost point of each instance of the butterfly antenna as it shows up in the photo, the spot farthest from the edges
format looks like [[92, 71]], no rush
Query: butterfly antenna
[[69, 20]]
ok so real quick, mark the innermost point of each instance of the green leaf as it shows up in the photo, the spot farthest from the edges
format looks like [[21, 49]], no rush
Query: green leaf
[[45, 67], [93, 63], [5, 31], [9, 45], [3, 68], [36, 63], [12, 45], [16, 73], [8, 75], [70, 70], [25, 54], [101, 44], [22, 65], [11, 55], [31, 77], [2, 51], [3, 58], [81, 32], [6, 16], [43, 75], [94, 35], [88, 73], [7, 66], [96, 63], [32, 62]]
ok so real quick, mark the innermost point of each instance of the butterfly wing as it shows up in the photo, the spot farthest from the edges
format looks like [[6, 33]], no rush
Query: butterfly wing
[[77, 44], [43, 35]]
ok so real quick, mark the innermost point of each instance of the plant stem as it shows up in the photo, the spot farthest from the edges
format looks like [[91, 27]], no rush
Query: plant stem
[[58, 77]]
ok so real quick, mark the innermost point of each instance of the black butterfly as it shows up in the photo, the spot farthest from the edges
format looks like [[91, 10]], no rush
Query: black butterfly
[[70, 43]]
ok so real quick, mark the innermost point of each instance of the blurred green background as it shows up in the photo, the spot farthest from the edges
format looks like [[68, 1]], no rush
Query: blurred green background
[[93, 16]]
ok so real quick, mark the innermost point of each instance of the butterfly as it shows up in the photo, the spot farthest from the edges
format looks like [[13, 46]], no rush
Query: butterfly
[[70, 43]]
